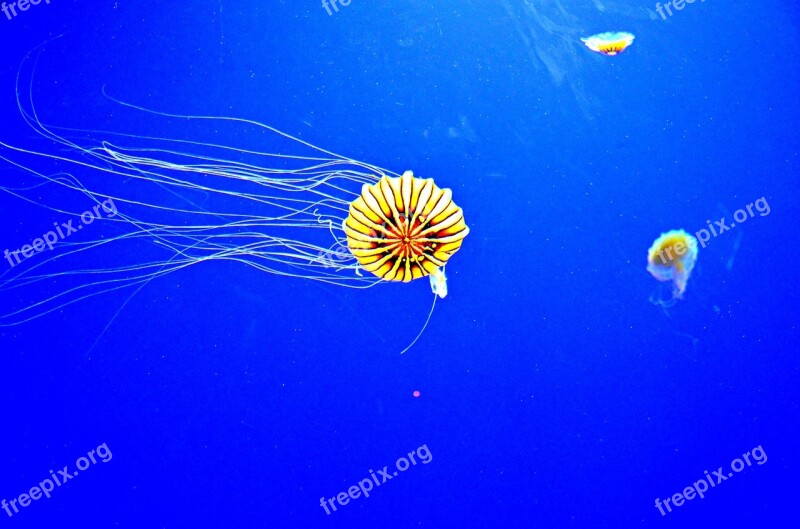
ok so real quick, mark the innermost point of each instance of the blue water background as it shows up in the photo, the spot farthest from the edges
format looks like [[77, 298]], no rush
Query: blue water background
[[553, 393]]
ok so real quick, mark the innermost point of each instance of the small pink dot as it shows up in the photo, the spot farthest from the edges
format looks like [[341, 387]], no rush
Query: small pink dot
[[416, 393]]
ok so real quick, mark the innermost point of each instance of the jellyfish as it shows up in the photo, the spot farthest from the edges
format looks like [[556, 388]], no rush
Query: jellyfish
[[294, 211], [609, 43], [405, 228], [671, 258]]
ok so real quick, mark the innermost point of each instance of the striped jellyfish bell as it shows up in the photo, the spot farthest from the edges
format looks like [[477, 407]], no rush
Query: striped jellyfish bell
[[404, 228]]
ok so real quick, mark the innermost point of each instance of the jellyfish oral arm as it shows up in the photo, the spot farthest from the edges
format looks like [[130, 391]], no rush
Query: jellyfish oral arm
[[439, 283]]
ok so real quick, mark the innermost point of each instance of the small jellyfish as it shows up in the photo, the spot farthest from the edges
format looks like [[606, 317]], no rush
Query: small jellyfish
[[610, 43], [416, 393], [671, 258]]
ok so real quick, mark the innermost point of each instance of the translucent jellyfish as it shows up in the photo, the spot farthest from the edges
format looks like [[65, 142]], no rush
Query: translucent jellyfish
[[671, 258]]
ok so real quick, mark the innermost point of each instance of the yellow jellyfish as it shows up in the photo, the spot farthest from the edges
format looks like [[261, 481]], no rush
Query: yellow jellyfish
[[405, 228], [609, 43], [671, 258], [294, 210]]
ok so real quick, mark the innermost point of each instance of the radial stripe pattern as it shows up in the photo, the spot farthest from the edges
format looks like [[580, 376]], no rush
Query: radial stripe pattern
[[404, 228]]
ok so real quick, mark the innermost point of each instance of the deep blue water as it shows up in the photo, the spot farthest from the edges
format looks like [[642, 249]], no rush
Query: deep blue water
[[553, 393]]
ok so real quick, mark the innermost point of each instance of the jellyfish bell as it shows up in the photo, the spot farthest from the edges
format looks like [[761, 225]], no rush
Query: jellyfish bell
[[405, 228], [610, 43], [671, 258]]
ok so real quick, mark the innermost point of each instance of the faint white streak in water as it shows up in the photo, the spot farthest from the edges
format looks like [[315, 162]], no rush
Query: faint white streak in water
[[551, 37], [627, 9], [736, 245], [464, 130]]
